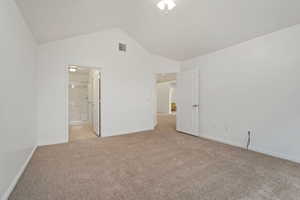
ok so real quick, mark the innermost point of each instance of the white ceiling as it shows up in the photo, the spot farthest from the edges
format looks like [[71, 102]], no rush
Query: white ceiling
[[194, 27]]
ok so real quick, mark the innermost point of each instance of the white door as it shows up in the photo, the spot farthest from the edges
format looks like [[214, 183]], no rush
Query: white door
[[96, 102], [188, 102]]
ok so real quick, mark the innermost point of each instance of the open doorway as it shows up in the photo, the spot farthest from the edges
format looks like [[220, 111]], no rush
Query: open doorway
[[166, 98], [84, 107]]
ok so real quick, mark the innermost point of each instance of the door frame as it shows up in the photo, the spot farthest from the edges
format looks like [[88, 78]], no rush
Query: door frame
[[67, 79], [156, 96], [98, 82]]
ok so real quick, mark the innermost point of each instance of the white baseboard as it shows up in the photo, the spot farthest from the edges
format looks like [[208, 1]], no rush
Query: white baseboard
[[17, 177], [222, 141], [127, 132], [255, 149], [277, 155], [41, 144]]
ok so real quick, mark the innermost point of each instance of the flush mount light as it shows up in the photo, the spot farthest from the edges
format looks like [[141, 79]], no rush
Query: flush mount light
[[73, 68], [166, 4]]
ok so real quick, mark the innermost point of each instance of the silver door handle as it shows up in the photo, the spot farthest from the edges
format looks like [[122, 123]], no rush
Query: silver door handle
[[195, 105]]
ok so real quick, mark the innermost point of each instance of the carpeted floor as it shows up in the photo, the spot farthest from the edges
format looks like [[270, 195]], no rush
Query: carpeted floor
[[155, 165]]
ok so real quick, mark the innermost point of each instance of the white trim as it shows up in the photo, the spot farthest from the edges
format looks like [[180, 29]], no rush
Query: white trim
[[67, 78], [277, 155], [128, 132], [52, 143], [17, 177], [255, 149], [186, 132]]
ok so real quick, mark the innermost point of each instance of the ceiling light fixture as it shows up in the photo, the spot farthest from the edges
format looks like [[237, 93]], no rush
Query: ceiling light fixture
[[73, 69], [166, 5]]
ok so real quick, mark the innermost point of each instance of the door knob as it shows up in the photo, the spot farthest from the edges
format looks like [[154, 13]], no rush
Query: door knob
[[195, 105]]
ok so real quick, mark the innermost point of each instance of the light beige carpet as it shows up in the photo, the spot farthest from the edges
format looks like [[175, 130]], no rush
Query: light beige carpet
[[156, 165]]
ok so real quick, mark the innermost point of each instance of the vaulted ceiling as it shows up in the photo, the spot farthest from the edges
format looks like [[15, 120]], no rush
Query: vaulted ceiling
[[193, 28]]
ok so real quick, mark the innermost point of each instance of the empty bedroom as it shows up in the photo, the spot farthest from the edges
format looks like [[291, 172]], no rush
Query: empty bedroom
[[150, 100]]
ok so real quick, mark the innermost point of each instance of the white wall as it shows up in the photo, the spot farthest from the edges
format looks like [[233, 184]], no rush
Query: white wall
[[128, 83], [163, 97], [253, 86], [162, 65], [17, 97]]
